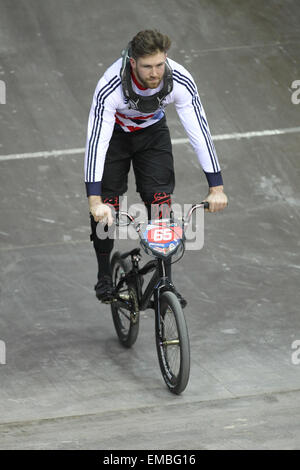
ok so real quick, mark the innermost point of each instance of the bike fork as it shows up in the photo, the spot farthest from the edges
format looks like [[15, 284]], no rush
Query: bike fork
[[162, 283]]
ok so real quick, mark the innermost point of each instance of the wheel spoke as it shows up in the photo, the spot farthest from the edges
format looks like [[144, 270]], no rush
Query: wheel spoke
[[125, 309], [173, 344]]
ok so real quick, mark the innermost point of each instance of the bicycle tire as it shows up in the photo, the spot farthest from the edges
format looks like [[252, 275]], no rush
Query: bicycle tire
[[172, 343], [126, 321]]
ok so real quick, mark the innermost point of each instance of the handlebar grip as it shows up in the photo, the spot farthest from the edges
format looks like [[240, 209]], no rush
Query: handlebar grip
[[205, 204]]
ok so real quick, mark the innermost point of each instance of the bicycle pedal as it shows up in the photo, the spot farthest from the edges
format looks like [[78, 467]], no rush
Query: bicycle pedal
[[107, 301]]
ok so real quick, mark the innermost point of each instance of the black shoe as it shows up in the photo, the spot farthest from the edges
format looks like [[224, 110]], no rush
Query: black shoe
[[104, 288]]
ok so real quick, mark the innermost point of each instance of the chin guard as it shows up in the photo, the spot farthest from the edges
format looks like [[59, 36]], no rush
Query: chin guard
[[144, 104]]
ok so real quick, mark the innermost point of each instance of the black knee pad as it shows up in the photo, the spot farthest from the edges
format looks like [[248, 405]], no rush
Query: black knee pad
[[158, 205]]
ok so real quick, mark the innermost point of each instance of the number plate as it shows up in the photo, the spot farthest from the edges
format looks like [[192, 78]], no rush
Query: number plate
[[162, 237], [161, 234]]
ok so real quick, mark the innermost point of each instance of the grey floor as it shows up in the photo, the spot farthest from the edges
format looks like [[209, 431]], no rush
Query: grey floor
[[67, 383]]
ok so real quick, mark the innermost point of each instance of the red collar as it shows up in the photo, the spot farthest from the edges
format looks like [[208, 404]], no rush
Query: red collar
[[140, 87]]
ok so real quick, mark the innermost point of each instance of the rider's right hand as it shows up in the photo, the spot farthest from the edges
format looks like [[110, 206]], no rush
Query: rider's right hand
[[101, 212]]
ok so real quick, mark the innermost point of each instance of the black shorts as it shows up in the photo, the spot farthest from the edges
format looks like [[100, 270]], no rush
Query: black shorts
[[150, 151]]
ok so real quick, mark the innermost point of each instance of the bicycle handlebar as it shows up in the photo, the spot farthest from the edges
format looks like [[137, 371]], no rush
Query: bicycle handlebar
[[203, 204], [194, 207]]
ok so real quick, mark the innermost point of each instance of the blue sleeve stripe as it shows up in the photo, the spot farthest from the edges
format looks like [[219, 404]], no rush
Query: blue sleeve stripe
[[98, 119], [95, 124], [178, 77], [100, 126], [185, 81], [207, 136]]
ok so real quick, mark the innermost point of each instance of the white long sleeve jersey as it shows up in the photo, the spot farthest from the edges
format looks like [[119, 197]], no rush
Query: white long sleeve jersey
[[109, 107]]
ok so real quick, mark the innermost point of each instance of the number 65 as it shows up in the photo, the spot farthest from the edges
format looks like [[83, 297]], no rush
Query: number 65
[[162, 234]]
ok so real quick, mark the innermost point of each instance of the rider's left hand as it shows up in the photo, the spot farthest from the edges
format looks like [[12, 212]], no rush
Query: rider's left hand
[[217, 199]]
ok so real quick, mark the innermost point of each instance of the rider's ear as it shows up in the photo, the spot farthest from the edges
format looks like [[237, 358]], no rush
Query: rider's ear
[[132, 62]]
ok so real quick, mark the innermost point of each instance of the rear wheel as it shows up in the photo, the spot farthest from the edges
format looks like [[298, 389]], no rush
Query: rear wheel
[[172, 343], [125, 312]]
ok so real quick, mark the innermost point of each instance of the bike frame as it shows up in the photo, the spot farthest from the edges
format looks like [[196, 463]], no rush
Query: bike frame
[[157, 281]]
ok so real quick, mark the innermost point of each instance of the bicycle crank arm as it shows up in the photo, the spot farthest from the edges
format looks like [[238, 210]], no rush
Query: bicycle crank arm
[[170, 342]]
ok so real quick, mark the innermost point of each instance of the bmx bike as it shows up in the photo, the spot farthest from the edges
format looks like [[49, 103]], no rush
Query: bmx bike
[[162, 239]]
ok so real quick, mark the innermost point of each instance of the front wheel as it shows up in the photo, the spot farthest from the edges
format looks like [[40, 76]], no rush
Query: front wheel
[[172, 343], [125, 314]]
